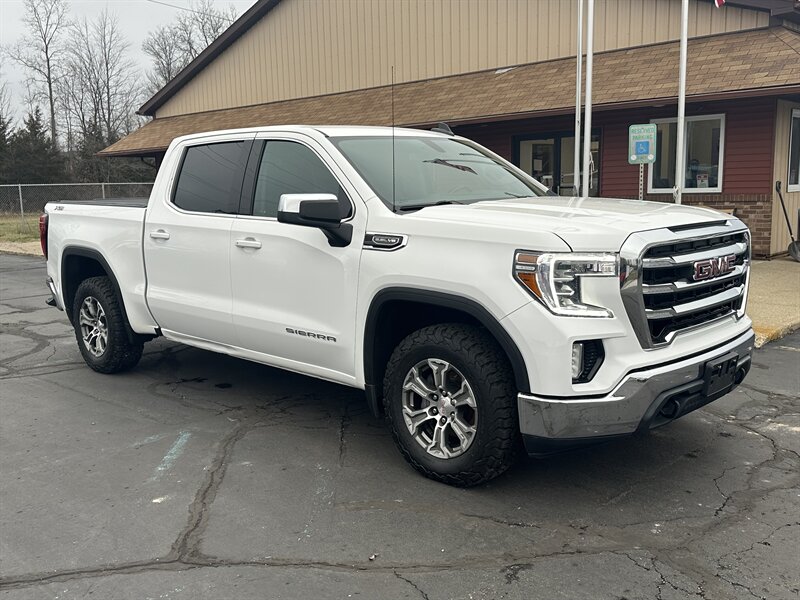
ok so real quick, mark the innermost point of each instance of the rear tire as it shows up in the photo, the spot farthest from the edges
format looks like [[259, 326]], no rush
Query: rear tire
[[99, 324], [451, 402]]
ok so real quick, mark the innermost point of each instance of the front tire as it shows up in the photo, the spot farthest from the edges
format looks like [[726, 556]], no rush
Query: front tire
[[99, 324], [450, 399]]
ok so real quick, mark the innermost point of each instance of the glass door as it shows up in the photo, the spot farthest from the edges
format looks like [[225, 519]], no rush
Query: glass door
[[538, 160], [549, 159]]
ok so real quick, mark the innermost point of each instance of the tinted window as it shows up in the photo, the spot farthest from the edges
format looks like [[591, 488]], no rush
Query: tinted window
[[211, 178], [415, 171], [291, 168]]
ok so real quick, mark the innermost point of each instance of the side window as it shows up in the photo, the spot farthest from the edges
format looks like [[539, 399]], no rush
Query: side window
[[292, 168], [210, 180]]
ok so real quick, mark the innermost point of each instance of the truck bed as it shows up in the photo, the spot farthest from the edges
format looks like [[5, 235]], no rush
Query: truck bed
[[109, 230]]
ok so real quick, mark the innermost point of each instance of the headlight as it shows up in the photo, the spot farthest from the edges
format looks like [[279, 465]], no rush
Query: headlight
[[555, 279]]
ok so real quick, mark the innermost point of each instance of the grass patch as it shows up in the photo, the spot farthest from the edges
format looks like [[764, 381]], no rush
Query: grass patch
[[14, 229]]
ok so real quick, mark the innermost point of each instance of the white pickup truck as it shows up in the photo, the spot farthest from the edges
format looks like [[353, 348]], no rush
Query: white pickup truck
[[476, 309]]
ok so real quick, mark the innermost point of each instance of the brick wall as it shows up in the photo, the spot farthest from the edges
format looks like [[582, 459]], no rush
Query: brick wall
[[754, 209]]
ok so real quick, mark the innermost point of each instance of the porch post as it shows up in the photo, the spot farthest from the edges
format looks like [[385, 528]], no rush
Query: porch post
[[576, 166], [680, 158], [587, 121]]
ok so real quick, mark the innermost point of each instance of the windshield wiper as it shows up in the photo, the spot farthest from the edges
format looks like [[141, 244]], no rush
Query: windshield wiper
[[419, 206], [447, 163]]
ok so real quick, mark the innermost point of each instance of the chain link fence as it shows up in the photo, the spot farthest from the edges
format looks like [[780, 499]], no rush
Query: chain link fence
[[27, 200], [21, 204]]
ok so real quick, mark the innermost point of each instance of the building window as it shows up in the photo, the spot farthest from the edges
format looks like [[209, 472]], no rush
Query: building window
[[794, 153], [703, 148]]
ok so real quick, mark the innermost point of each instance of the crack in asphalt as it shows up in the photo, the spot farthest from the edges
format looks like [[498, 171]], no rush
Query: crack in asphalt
[[500, 521], [764, 541], [742, 586], [342, 429], [663, 581], [767, 393], [186, 546], [725, 497], [412, 584]]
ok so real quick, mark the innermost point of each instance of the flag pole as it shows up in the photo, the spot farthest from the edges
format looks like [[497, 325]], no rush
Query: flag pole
[[680, 153], [587, 120], [576, 166]]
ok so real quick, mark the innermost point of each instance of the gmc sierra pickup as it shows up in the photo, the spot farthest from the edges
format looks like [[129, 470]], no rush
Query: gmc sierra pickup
[[476, 309]]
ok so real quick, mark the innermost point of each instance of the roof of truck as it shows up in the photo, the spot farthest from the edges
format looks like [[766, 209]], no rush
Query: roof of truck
[[326, 130]]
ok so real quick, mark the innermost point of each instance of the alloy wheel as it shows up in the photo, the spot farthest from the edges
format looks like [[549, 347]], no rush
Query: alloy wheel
[[439, 408], [94, 326]]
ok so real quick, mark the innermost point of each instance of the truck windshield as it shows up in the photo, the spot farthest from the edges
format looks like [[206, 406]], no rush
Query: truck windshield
[[429, 171]]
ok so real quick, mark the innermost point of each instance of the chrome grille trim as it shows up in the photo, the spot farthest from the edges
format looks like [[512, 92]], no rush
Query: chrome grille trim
[[687, 259], [689, 307], [672, 302], [679, 286]]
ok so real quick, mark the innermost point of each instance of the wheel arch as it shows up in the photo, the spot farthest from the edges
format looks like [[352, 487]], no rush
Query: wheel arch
[[382, 331], [79, 263]]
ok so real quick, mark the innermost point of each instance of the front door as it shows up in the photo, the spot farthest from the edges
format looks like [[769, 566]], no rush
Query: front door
[[294, 295]]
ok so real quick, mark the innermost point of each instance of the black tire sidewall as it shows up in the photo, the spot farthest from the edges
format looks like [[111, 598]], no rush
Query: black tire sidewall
[[118, 347], [483, 400]]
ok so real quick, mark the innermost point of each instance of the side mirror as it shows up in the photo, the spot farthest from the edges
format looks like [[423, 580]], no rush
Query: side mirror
[[316, 210]]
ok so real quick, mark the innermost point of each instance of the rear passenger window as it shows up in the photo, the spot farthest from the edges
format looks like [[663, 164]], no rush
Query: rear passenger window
[[291, 168], [210, 180]]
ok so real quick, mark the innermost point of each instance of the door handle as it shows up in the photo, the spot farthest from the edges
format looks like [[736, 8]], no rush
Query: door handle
[[159, 234], [248, 243]]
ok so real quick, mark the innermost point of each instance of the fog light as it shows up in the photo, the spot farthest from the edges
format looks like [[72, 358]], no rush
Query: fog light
[[587, 356], [577, 360]]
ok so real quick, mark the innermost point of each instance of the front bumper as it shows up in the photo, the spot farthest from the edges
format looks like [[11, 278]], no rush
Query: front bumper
[[644, 399]]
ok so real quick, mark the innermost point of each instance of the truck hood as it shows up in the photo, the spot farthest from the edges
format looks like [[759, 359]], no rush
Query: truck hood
[[594, 224]]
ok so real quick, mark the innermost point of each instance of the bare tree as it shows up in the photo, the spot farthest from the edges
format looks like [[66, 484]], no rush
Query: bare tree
[[167, 58], [172, 47], [98, 96], [201, 25], [101, 91], [39, 53], [6, 117]]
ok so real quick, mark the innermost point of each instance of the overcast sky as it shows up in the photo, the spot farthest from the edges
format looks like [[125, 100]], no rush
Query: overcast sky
[[136, 19]]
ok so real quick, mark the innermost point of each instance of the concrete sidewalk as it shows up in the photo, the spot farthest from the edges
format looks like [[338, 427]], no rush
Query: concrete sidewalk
[[774, 300]]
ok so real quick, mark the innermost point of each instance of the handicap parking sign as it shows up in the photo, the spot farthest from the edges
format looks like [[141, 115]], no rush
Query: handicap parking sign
[[642, 143]]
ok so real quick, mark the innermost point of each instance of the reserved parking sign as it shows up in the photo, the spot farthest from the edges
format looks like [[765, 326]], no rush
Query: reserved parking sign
[[642, 144]]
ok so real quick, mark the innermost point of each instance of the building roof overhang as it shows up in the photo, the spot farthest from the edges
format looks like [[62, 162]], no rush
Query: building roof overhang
[[761, 62]]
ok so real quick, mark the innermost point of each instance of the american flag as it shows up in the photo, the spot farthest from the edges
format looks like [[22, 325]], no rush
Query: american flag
[[719, 3]]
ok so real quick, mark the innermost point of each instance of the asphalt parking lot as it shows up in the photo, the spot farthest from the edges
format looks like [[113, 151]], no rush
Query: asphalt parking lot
[[201, 476]]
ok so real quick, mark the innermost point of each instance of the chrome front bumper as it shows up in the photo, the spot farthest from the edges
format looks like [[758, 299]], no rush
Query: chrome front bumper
[[552, 424]]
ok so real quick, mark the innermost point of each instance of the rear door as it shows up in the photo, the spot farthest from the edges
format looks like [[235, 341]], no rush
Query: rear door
[[294, 295], [187, 241]]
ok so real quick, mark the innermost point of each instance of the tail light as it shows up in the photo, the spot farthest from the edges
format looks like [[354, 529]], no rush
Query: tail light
[[43, 233]]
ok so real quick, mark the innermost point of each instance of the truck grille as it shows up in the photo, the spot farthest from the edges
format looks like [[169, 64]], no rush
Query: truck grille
[[671, 285]]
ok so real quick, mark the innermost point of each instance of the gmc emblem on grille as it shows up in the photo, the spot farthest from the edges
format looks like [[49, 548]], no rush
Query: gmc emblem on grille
[[714, 267]]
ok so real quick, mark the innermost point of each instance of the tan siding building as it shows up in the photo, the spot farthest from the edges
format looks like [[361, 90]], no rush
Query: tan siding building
[[503, 72], [314, 47]]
